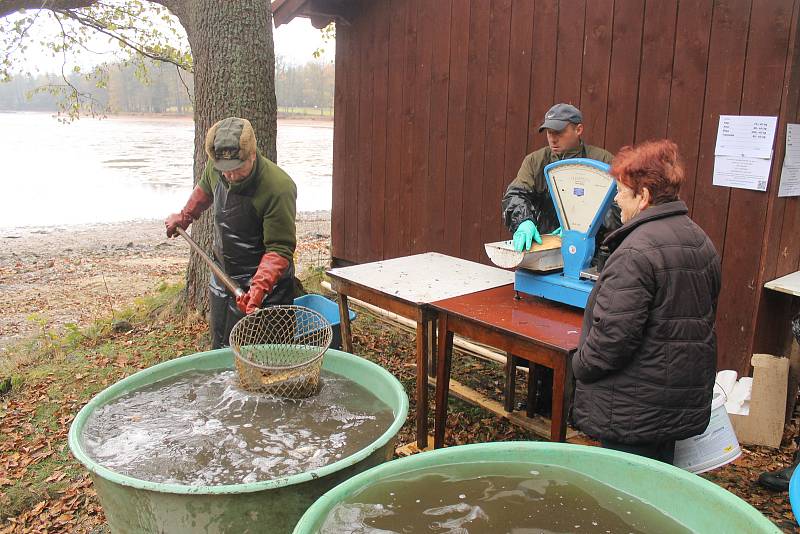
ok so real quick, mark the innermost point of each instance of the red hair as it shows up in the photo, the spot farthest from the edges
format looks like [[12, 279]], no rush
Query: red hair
[[655, 165]]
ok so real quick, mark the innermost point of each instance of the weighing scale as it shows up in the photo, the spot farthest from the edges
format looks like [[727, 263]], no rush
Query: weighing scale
[[582, 191]]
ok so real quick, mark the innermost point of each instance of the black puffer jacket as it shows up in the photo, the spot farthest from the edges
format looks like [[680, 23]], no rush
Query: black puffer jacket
[[647, 357]]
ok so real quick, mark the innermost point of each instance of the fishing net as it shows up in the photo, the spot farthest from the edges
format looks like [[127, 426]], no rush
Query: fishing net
[[279, 350]]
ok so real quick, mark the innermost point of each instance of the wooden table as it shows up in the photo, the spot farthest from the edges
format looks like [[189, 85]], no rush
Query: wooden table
[[527, 328], [406, 286], [789, 284]]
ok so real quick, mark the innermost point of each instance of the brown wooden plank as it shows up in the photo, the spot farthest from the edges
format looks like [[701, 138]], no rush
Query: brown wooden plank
[[778, 49], [596, 67], [365, 147], [380, 90], [433, 220], [394, 129], [456, 127], [494, 181], [726, 58], [658, 47], [569, 59], [789, 250], [536, 424], [351, 171], [421, 129], [340, 127], [786, 257], [543, 69], [477, 69], [405, 219], [623, 88], [688, 83], [765, 64], [519, 89]]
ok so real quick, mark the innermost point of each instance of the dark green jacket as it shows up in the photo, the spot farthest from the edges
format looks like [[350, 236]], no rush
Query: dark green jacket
[[527, 196], [274, 200]]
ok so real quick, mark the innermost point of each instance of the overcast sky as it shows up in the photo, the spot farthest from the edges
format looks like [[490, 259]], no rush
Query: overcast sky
[[295, 41]]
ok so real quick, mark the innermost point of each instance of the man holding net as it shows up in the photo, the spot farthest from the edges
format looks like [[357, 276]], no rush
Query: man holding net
[[254, 224]]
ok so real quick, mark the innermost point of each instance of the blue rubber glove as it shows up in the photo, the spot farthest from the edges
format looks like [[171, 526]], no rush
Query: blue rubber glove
[[525, 235], [558, 232]]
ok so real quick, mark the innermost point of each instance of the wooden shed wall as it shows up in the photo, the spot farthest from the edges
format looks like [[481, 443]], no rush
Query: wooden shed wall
[[437, 103]]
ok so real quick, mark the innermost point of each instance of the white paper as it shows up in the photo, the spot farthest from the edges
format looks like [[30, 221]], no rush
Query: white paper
[[790, 173], [790, 181], [743, 172], [792, 156], [745, 136]]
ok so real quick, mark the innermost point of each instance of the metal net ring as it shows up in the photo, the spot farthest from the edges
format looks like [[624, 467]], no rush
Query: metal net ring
[[279, 350]]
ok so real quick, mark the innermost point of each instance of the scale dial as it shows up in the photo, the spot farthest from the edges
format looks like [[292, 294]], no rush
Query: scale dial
[[579, 190]]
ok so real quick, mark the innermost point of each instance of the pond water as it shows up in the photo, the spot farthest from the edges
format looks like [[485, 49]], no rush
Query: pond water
[[128, 168]]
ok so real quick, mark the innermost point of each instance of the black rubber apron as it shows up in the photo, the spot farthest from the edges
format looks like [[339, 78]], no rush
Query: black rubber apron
[[239, 247]]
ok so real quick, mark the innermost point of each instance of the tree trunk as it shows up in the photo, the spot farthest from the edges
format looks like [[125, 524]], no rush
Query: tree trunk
[[234, 75]]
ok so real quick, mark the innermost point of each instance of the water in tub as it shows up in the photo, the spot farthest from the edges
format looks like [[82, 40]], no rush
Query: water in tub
[[517, 498], [201, 428]]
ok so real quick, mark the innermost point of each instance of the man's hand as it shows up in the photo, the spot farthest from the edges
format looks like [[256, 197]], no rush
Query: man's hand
[[175, 221], [558, 232], [525, 235], [197, 204], [269, 271]]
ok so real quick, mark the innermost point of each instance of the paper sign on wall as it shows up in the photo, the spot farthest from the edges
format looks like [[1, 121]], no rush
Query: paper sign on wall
[[790, 174], [743, 153]]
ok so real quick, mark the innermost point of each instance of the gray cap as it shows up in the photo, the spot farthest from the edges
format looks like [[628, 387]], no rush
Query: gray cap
[[559, 116]]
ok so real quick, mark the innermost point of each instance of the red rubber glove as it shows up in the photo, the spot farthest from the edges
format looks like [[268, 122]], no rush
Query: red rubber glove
[[270, 269], [198, 202]]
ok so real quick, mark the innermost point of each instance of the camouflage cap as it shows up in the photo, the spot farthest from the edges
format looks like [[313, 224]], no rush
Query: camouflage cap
[[230, 143]]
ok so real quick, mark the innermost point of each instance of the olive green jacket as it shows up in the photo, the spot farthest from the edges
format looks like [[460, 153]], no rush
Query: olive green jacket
[[273, 196], [527, 197]]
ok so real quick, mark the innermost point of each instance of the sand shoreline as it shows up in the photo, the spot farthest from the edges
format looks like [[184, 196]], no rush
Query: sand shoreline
[[55, 275]]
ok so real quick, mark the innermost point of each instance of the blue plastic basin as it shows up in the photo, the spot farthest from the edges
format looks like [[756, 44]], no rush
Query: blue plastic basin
[[328, 309]]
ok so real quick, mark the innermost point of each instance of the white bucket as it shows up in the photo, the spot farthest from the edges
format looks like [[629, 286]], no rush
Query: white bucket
[[713, 448]]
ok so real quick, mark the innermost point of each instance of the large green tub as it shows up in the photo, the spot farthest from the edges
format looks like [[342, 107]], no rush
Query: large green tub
[[137, 506], [695, 502]]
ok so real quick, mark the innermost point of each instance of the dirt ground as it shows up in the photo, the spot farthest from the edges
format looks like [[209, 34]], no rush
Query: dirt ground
[[52, 276]]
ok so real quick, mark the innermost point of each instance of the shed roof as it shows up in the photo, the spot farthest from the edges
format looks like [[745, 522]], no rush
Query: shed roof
[[321, 12]]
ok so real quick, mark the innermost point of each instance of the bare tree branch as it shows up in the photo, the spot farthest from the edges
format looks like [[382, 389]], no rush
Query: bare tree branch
[[100, 27], [11, 6]]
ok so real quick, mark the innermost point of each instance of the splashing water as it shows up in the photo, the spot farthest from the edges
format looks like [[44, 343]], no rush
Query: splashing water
[[201, 429]]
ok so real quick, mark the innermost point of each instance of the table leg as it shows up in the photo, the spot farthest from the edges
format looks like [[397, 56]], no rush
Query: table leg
[[344, 315], [422, 380], [530, 409], [511, 382], [432, 341], [442, 381], [560, 404]]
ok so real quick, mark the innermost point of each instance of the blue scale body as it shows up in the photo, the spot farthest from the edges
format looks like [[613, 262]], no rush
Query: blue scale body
[[577, 249]]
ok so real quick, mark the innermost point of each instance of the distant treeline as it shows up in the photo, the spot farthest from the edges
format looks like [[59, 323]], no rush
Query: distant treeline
[[308, 86]]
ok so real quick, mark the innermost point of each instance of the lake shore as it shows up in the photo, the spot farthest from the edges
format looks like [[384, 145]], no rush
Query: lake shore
[[56, 275]]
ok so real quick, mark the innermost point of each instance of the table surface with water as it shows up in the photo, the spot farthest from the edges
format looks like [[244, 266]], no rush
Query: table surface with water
[[200, 428], [517, 498]]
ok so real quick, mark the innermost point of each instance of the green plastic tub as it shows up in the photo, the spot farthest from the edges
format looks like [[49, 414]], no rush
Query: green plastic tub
[[137, 506], [698, 504]]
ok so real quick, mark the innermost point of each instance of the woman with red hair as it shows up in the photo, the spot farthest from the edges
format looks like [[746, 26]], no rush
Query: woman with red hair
[[647, 357]]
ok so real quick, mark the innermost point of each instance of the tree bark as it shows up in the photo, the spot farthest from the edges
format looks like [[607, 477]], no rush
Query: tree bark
[[234, 75]]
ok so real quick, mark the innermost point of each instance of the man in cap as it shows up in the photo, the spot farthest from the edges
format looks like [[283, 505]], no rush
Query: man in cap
[[528, 210], [254, 227]]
